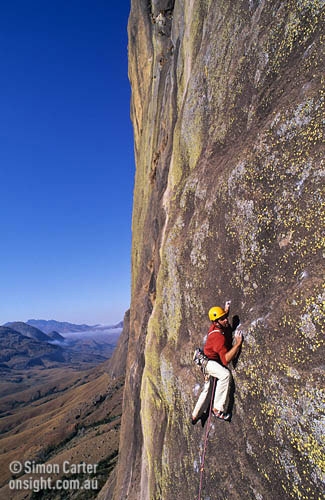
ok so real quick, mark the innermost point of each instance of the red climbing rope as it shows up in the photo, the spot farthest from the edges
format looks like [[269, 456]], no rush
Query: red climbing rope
[[206, 439]]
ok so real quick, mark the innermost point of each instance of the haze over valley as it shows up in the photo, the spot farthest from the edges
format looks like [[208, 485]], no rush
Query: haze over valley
[[58, 400]]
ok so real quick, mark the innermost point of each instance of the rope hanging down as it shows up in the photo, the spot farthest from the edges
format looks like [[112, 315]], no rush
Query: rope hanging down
[[206, 439]]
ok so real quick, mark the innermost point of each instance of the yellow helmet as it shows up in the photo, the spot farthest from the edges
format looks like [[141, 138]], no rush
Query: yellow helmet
[[216, 313]]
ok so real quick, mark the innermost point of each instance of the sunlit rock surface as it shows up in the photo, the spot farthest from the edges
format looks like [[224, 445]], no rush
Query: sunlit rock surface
[[227, 108]]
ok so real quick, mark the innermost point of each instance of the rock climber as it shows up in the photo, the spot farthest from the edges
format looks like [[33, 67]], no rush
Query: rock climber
[[219, 351]]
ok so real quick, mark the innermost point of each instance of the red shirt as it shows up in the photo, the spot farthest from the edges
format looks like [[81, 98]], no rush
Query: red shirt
[[217, 345]]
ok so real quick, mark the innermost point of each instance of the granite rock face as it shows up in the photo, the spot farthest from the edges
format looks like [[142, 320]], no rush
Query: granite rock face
[[116, 365], [227, 108]]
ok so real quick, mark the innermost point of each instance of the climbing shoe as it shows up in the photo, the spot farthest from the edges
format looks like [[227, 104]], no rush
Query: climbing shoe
[[221, 415], [204, 417], [194, 420]]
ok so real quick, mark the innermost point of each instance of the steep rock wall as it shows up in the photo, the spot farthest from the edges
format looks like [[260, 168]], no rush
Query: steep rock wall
[[116, 365], [227, 106]]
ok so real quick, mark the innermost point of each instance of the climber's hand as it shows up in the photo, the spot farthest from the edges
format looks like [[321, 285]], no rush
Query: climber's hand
[[227, 305], [239, 337]]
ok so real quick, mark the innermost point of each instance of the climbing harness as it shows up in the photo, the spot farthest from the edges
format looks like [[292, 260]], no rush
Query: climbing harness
[[200, 359], [206, 439]]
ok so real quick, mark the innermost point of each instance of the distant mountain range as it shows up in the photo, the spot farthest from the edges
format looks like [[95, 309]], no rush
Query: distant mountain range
[[59, 397], [23, 345], [29, 331], [49, 326], [18, 351]]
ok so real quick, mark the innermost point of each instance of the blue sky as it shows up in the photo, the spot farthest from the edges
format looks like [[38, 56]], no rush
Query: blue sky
[[66, 161]]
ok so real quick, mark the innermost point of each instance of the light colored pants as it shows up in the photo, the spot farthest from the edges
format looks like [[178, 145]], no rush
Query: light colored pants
[[221, 394]]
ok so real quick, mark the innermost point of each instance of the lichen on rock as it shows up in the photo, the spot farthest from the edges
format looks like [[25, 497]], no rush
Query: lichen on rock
[[227, 107]]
